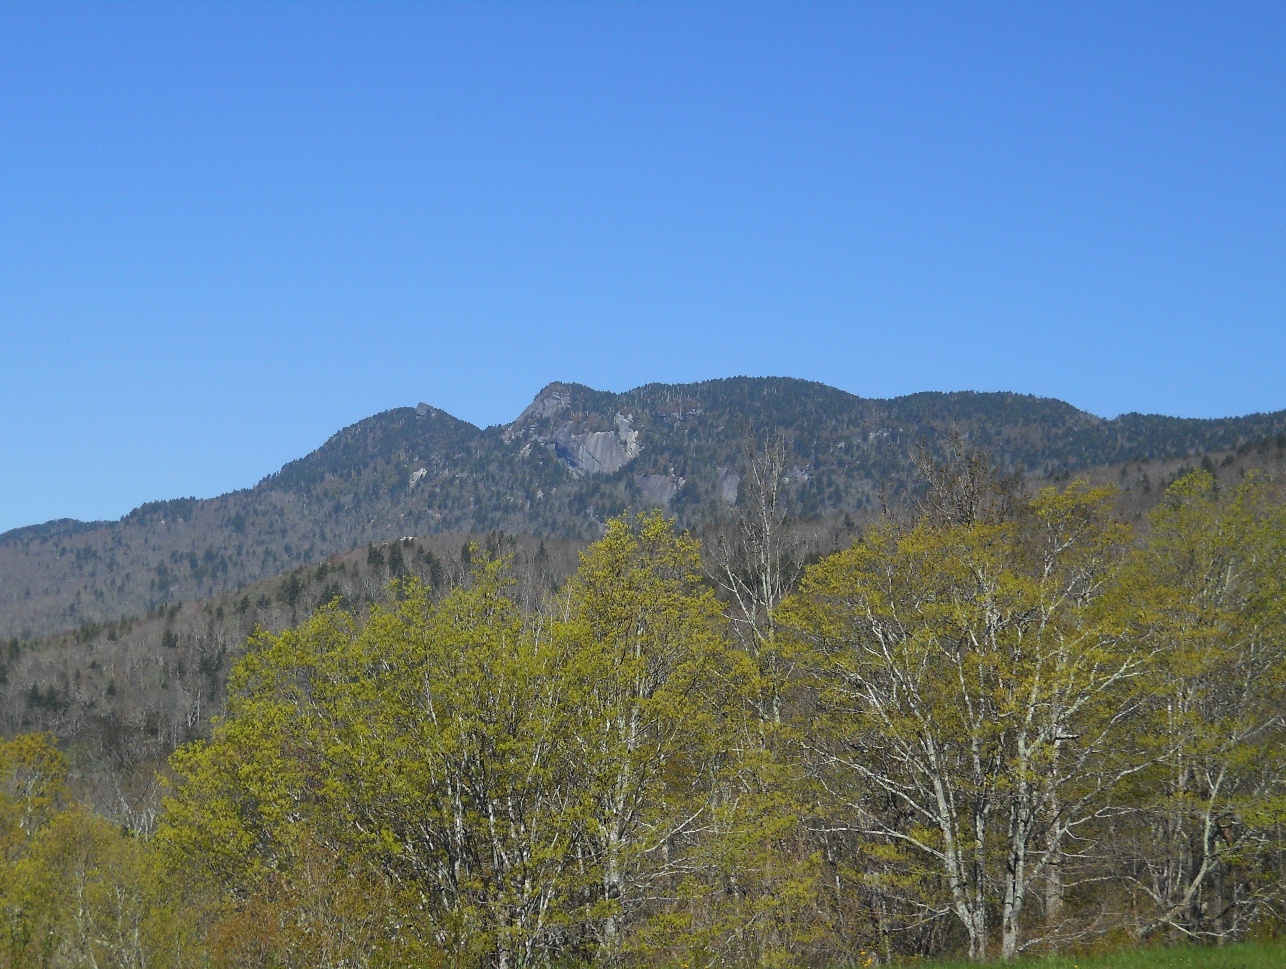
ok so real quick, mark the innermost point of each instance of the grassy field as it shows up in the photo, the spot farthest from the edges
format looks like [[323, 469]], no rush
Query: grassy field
[[1243, 956]]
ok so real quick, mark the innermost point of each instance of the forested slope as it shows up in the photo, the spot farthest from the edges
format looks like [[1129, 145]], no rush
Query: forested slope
[[1003, 720], [574, 458]]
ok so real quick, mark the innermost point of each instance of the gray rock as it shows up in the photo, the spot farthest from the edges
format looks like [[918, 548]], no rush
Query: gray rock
[[658, 489], [729, 482]]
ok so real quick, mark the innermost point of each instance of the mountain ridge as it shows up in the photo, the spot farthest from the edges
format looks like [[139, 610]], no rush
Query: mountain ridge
[[66, 525], [571, 459]]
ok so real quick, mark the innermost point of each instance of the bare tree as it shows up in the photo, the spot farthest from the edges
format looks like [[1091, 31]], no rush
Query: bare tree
[[754, 562], [964, 486]]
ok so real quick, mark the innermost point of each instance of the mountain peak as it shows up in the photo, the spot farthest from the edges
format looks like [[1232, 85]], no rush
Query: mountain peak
[[574, 457], [552, 400]]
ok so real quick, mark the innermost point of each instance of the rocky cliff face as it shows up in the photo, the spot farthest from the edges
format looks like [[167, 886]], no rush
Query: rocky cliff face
[[592, 452], [574, 434]]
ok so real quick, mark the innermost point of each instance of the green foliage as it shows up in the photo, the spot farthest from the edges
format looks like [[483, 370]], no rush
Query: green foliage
[[499, 786], [1204, 825], [75, 890], [1010, 707], [1245, 955], [1011, 725], [968, 675]]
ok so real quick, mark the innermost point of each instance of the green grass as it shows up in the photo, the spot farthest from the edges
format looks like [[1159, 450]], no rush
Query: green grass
[[1246, 955]]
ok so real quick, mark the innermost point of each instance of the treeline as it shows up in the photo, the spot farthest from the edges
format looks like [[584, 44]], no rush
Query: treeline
[[121, 696], [1005, 724]]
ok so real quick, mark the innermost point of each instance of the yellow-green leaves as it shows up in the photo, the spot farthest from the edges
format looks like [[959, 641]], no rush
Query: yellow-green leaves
[[74, 889], [999, 724], [657, 690], [33, 785], [964, 680], [1203, 827], [515, 780]]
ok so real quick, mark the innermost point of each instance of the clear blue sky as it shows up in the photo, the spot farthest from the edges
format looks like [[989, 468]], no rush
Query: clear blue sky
[[227, 230]]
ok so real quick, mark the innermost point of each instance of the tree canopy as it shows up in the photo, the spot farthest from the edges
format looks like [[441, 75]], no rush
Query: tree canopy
[[1009, 724]]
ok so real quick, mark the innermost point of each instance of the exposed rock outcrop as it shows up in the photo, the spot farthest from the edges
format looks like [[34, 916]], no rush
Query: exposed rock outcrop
[[729, 482], [550, 402], [582, 451], [597, 452], [658, 489]]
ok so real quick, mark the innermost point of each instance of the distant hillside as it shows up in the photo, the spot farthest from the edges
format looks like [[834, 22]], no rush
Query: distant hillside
[[573, 458], [121, 695]]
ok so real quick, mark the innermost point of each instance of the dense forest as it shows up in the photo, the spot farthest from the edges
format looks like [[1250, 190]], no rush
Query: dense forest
[[999, 721]]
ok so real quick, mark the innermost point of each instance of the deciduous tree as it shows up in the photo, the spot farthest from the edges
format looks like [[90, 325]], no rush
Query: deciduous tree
[[971, 686]]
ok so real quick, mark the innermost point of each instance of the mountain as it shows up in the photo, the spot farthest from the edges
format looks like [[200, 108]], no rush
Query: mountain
[[572, 459]]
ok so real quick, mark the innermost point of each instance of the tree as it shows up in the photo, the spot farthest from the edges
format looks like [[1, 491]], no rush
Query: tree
[[33, 785], [417, 751], [972, 684], [754, 564], [486, 794], [1200, 841], [659, 687], [74, 889], [505, 788]]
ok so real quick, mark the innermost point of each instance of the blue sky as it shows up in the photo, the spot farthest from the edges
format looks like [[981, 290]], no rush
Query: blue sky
[[227, 230]]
